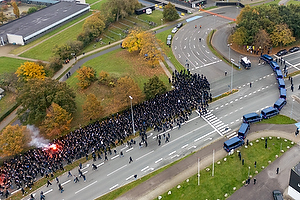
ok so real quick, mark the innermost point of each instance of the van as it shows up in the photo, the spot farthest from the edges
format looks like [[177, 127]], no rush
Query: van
[[244, 130], [266, 58], [274, 66], [251, 118], [282, 92], [233, 143], [246, 63], [278, 74], [269, 112], [279, 104], [281, 83]]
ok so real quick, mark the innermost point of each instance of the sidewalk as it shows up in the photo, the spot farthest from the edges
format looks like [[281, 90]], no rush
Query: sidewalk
[[179, 172]]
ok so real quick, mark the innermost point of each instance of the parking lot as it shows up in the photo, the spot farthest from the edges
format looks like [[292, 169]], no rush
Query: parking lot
[[292, 60]]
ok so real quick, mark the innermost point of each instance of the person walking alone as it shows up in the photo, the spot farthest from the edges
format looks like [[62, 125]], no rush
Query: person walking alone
[[60, 188], [130, 160]]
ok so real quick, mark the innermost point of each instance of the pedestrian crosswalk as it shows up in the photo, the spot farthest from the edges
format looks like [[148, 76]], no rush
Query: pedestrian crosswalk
[[231, 135], [216, 123]]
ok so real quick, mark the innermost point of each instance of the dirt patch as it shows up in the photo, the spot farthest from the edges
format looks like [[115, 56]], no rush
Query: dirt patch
[[22, 8]]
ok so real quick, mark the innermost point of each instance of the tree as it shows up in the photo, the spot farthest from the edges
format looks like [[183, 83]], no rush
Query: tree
[[94, 25], [67, 50], [262, 39], [57, 121], [282, 35], [32, 10], [31, 70], [3, 18], [92, 108], [146, 44], [170, 13], [154, 87], [13, 139], [15, 9], [126, 87], [86, 75], [240, 36], [9, 81], [55, 63], [38, 95], [121, 8]]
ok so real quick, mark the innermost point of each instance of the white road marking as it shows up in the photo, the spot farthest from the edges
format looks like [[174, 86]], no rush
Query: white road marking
[[100, 164], [85, 172], [158, 160], [116, 170], [231, 122], [64, 183], [184, 146], [129, 149], [86, 187], [145, 168], [175, 156], [172, 153], [129, 177], [208, 139], [17, 191], [48, 191], [115, 157], [85, 167], [204, 136], [231, 102], [145, 155], [114, 187], [124, 148], [192, 147]]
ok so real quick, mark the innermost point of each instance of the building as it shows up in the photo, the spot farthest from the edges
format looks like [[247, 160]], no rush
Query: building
[[33, 26], [294, 184]]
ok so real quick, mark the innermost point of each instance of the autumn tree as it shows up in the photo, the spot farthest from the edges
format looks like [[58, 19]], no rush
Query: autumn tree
[[126, 87], [15, 9], [9, 81], [57, 121], [282, 35], [154, 87], [3, 18], [55, 63], [67, 50], [146, 44], [86, 75], [121, 8], [170, 13], [13, 139], [36, 96], [92, 108], [240, 36], [92, 28], [31, 70], [262, 39]]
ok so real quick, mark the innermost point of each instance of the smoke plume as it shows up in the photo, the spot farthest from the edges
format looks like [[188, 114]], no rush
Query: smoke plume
[[36, 139]]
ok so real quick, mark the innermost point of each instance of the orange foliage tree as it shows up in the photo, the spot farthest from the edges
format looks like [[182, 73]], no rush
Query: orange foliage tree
[[86, 75], [31, 70], [92, 108]]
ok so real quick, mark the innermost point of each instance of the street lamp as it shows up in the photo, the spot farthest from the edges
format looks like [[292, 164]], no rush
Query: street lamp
[[231, 65], [292, 108], [132, 115], [240, 61], [231, 74], [249, 172]]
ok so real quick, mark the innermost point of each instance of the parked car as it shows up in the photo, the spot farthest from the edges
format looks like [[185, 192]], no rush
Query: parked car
[[294, 49], [169, 37], [179, 25], [282, 52], [277, 195], [168, 42], [175, 29]]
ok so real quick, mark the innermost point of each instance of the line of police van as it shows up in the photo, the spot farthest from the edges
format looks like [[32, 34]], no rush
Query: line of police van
[[266, 113]]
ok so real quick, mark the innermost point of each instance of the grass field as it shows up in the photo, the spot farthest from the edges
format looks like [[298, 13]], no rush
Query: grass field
[[230, 173], [97, 6], [10, 64], [278, 119], [27, 46], [7, 102], [117, 63]]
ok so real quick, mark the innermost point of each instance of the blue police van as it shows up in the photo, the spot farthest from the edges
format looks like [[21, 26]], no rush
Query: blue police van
[[233, 143]]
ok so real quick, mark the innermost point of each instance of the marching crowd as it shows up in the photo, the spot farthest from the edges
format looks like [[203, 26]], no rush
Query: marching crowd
[[190, 91]]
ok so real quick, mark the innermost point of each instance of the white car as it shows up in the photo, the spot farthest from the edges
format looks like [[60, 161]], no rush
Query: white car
[[175, 29]]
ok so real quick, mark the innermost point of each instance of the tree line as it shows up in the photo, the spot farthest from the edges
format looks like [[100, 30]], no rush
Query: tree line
[[267, 26]]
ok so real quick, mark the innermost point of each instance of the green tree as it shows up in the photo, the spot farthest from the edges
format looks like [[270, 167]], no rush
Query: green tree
[[32, 10], [38, 95], [92, 108], [282, 35], [13, 139], [154, 87], [170, 13], [3, 18], [15, 9], [55, 63], [86, 75], [67, 50], [57, 121], [9, 81], [121, 8], [240, 36]]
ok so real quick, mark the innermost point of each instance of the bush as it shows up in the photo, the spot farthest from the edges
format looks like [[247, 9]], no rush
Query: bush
[[32, 10]]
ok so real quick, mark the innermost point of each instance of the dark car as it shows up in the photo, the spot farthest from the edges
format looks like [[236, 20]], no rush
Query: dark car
[[282, 52], [179, 25], [277, 195], [294, 49]]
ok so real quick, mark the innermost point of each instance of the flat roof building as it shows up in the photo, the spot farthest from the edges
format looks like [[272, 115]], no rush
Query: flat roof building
[[33, 26]]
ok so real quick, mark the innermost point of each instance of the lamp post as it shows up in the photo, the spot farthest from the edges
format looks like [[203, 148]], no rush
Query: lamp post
[[240, 61], [249, 172], [292, 108], [132, 115], [231, 66]]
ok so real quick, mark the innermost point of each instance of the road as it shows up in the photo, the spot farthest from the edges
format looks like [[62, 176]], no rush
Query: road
[[223, 119]]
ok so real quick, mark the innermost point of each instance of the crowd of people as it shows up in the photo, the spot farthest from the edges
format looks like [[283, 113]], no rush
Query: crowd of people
[[190, 92]]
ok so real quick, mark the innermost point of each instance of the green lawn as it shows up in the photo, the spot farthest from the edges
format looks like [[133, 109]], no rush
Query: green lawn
[[293, 2], [91, 1], [230, 173], [278, 119], [156, 17], [27, 46], [10, 64], [7, 102], [97, 6], [168, 51]]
